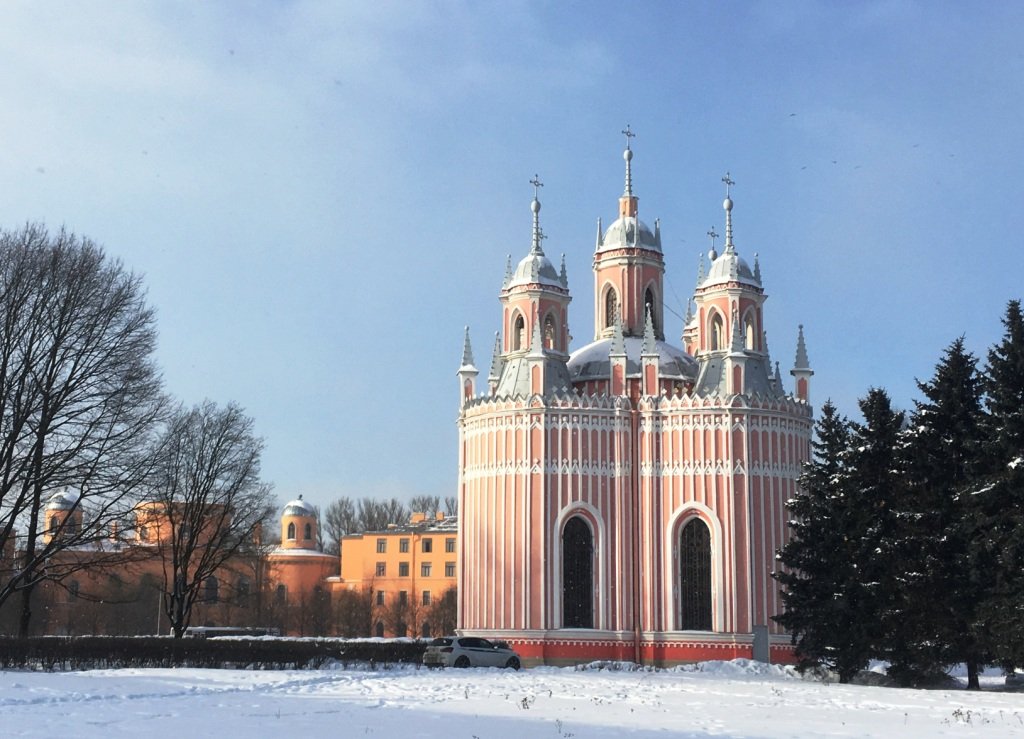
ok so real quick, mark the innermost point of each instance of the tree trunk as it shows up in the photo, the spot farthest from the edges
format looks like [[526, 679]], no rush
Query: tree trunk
[[25, 618], [972, 675]]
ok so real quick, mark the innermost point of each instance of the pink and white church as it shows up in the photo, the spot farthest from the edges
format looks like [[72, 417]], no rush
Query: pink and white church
[[625, 500]]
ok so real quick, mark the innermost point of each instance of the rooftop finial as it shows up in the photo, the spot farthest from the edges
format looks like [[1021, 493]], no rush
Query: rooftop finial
[[628, 156], [535, 207], [712, 254], [727, 205]]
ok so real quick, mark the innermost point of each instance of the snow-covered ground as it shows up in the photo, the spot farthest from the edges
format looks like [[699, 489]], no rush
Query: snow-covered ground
[[733, 699]]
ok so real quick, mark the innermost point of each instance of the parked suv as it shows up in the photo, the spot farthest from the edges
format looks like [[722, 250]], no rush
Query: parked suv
[[469, 651]]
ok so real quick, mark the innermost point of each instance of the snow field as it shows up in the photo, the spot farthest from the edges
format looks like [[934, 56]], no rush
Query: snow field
[[731, 699]]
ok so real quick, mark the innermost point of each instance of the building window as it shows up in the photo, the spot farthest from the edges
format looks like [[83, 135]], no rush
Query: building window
[[650, 308], [401, 629], [242, 590], [449, 545], [380, 629], [449, 569], [380, 597], [717, 333], [519, 334], [428, 546], [425, 569], [425, 633], [403, 546], [381, 569], [403, 597], [308, 531], [577, 575], [54, 524], [549, 331], [73, 588], [426, 597], [403, 569], [611, 307], [382, 546], [291, 531], [143, 533], [212, 588], [281, 597], [695, 576]]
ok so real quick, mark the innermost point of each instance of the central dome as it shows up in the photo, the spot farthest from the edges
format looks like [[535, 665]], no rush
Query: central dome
[[629, 231], [591, 362]]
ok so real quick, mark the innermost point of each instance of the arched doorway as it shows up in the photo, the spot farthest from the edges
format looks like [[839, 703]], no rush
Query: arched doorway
[[695, 576], [577, 575]]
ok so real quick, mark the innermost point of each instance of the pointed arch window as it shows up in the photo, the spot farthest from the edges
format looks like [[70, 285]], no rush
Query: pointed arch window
[[549, 331], [577, 575], [749, 341], [291, 530], [518, 333], [308, 531], [649, 307], [611, 307], [716, 331], [695, 576]]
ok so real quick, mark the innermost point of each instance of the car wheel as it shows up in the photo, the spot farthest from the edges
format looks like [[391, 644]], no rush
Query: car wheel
[[462, 661], [513, 662]]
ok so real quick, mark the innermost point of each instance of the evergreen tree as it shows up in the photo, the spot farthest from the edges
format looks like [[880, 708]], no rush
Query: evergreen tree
[[937, 621], [878, 491], [816, 559], [998, 542]]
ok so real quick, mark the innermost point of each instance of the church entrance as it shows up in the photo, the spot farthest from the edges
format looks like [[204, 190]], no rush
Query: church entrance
[[577, 575], [695, 576]]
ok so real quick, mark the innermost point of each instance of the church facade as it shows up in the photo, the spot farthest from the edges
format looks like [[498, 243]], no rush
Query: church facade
[[625, 500]]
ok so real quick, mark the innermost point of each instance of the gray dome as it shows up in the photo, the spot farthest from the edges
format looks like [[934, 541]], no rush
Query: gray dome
[[64, 500], [730, 267], [591, 361], [535, 268], [623, 233], [298, 507]]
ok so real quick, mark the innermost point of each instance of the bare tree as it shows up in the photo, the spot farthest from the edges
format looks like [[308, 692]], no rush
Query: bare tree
[[79, 398], [339, 519], [209, 503], [426, 504], [451, 505], [394, 512]]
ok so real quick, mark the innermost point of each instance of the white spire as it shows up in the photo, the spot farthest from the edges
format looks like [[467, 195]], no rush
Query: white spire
[[727, 205], [496, 360], [801, 362], [618, 345], [600, 234], [536, 345], [467, 352], [648, 347]]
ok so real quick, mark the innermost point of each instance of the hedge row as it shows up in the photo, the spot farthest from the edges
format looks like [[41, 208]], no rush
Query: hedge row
[[99, 652]]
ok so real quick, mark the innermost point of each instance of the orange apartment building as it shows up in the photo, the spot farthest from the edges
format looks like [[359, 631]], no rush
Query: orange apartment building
[[408, 572], [402, 577]]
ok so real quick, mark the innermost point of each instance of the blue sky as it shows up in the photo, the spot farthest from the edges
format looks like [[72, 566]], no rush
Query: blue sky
[[322, 194]]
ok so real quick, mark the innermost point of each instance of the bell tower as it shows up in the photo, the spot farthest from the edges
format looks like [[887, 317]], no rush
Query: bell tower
[[628, 268], [535, 316]]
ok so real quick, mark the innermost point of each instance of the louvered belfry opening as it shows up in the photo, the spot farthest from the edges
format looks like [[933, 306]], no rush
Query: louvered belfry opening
[[695, 576], [577, 575]]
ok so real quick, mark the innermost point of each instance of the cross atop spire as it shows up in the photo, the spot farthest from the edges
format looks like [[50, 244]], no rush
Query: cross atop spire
[[628, 156], [728, 183], [712, 234], [538, 235]]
